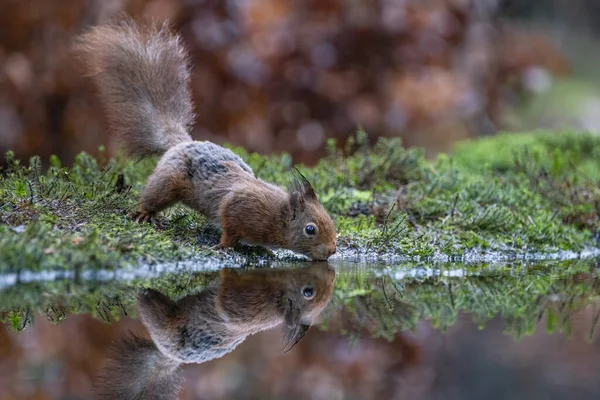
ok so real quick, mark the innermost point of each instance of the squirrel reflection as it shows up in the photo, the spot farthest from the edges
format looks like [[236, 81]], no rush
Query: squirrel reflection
[[209, 324]]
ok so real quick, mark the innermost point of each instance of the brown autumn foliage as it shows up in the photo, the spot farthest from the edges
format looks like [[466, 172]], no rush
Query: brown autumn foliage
[[280, 75]]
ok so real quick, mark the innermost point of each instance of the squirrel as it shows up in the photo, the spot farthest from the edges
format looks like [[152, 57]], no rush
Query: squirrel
[[142, 77], [211, 323]]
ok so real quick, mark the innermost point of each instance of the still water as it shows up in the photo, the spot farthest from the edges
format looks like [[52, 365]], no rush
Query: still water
[[336, 330]]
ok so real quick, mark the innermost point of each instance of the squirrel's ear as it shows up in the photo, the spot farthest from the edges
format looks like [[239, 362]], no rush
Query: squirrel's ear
[[294, 329], [305, 187], [309, 192], [294, 336]]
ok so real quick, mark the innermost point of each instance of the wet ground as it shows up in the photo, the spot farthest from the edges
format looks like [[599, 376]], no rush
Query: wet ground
[[406, 331]]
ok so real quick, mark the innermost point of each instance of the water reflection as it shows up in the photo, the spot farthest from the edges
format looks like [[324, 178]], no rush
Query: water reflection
[[211, 323], [390, 331]]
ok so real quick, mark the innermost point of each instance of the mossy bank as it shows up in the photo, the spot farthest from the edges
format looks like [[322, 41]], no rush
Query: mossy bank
[[379, 300], [509, 196]]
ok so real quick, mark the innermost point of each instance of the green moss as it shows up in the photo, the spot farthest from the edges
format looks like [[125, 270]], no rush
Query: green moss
[[389, 300], [510, 194], [106, 301]]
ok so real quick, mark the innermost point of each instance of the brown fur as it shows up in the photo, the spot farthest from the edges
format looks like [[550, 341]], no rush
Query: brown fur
[[142, 76], [137, 371], [251, 298], [124, 60], [209, 324]]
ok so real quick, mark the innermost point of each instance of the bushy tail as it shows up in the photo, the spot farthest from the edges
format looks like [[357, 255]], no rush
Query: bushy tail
[[142, 76], [138, 370]]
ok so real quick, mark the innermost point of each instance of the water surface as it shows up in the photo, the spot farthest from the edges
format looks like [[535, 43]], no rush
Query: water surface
[[403, 331]]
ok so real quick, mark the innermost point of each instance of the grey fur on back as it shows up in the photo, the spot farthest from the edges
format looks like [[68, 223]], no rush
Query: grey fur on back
[[205, 165], [207, 160], [142, 76], [201, 335]]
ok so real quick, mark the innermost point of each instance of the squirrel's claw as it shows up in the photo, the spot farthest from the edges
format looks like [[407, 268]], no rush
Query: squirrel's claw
[[141, 217]]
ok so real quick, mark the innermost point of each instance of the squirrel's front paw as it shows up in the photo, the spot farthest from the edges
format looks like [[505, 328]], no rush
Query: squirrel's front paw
[[141, 216]]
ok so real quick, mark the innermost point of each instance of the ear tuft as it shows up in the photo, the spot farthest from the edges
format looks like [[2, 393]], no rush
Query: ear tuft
[[304, 186]]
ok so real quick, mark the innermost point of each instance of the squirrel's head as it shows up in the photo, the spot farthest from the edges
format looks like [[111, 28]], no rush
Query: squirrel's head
[[298, 294], [309, 292], [308, 288], [312, 231]]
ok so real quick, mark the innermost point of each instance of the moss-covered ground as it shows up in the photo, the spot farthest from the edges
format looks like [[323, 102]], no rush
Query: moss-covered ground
[[509, 195]]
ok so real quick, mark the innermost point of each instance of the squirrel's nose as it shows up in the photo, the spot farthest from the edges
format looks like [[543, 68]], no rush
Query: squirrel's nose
[[331, 251]]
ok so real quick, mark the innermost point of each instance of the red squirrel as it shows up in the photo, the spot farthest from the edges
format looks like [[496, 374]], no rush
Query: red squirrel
[[142, 74], [207, 325]]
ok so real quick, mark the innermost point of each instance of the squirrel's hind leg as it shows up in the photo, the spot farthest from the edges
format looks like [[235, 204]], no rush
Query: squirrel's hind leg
[[227, 241], [165, 187]]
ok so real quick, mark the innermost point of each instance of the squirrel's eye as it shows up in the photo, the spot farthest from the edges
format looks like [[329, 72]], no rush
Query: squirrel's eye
[[310, 230], [308, 292]]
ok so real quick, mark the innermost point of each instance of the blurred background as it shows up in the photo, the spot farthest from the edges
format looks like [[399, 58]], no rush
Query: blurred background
[[286, 75]]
